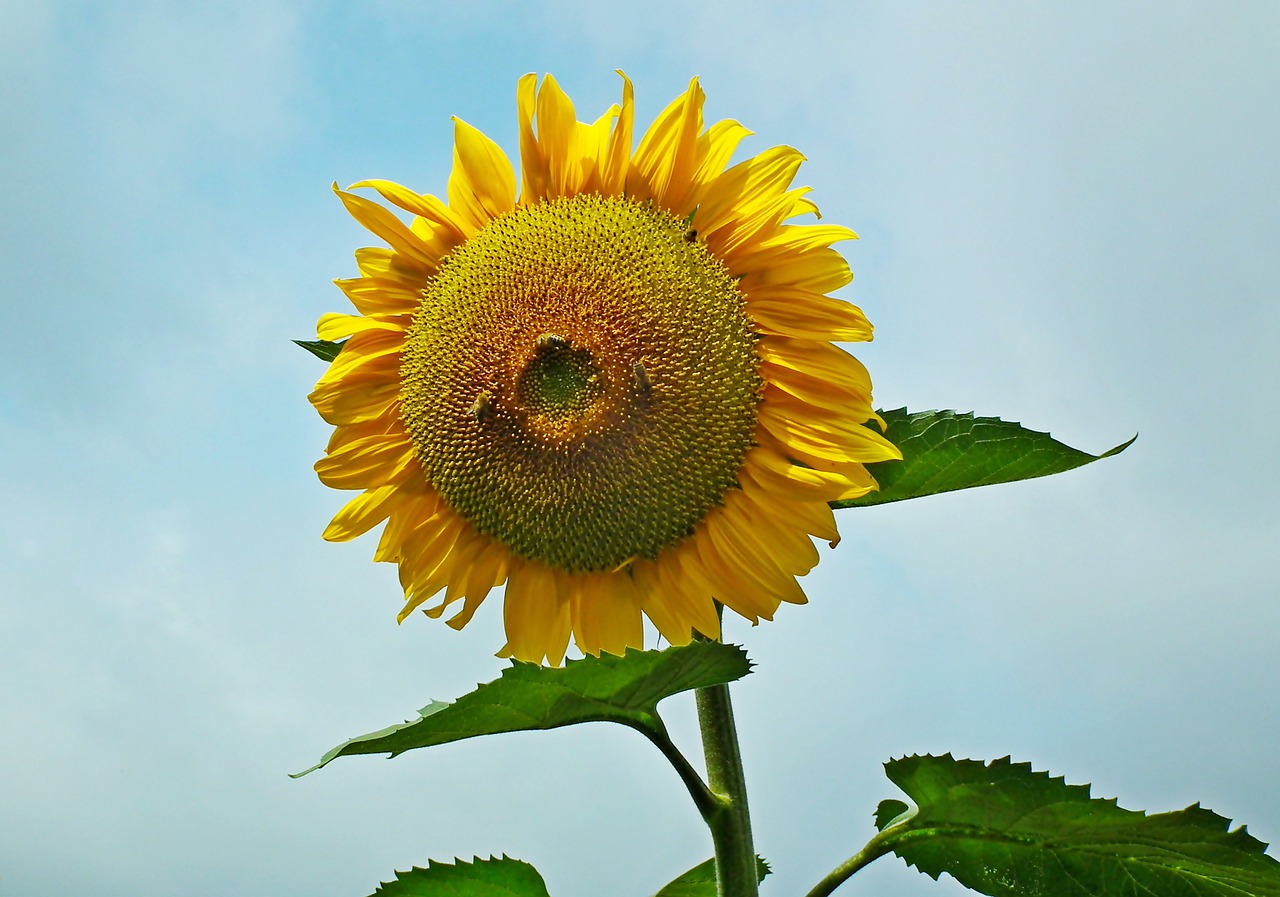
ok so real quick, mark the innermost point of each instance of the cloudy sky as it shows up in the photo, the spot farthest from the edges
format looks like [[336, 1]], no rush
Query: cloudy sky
[[1069, 218]]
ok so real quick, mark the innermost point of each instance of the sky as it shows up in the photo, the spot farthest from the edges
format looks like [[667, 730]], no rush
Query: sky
[[1068, 218]]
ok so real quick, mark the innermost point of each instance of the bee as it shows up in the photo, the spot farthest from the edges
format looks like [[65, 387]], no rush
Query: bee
[[551, 341], [641, 377], [482, 408], [690, 236]]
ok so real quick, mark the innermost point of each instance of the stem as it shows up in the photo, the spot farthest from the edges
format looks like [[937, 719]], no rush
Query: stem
[[707, 803], [729, 820], [876, 848]]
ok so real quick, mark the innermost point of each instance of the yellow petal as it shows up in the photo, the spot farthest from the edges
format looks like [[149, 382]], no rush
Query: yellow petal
[[682, 575], [840, 424], [819, 271], [745, 186], [663, 166], [593, 144], [374, 296], [482, 184], [366, 463], [429, 558], [361, 514], [809, 315], [335, 326], [367, 351], [617, 160], [422, 205], [813, 517], [760, 530], [536, 615], [735, 589], [486, 570], [619, 622], [391, 229], [661, 605], [557, 133], [791, 480], [534, 173], [343, 404], [461, 558], [730, 536], [811, 359], [717, 147], [416, 508]]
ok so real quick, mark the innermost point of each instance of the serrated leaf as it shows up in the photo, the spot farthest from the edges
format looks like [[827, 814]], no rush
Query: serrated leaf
[[943, 451], [700, 881], [527, 697], [494, 877], [325, 350], [1007, 831]]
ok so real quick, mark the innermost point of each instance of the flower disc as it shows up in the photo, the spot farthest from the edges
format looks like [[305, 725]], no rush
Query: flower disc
[[580, 381]]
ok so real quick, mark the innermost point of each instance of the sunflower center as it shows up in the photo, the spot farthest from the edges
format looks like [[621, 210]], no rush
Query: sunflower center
[[580, 381], [560, 383]]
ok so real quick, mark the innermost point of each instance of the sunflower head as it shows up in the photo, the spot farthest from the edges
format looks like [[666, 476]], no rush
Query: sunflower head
[[614, 391], [553, 378]]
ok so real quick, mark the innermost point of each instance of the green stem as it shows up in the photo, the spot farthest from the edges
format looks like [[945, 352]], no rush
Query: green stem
[[876, 848], [707, 803], [729, 820]]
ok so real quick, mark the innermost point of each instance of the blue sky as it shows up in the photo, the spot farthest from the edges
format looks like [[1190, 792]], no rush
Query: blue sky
[[1068, 217]]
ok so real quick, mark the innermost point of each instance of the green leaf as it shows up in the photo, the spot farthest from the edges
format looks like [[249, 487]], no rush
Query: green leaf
[[888, 812], [1005, 830], [943, 451], [324, 349], [700, 881], [607, 688], [494, 877]]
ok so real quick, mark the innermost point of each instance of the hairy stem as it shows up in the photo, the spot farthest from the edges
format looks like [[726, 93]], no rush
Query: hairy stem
[[729, 820]]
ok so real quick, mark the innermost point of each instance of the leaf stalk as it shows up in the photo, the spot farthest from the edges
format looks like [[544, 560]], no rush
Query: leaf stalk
[[875, 848], [708, 804]]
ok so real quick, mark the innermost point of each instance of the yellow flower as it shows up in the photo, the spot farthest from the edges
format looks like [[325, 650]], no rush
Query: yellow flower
[[615, 390]]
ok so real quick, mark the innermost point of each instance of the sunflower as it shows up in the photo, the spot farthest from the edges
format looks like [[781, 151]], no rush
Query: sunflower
[[611, 386]]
